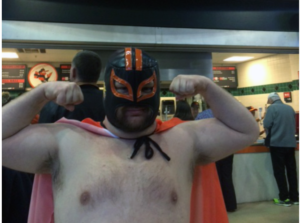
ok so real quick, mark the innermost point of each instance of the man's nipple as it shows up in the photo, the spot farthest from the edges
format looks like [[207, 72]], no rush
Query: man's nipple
[[85, 198], [174, 197]]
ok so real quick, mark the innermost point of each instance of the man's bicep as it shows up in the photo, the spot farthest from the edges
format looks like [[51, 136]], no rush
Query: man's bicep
[[215, 140], [30, 150]]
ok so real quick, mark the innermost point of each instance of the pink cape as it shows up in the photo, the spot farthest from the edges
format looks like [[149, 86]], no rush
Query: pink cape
[[207, 204]]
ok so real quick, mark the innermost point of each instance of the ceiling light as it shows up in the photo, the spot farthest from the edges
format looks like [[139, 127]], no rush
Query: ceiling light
[[9, 55], [238, 58]]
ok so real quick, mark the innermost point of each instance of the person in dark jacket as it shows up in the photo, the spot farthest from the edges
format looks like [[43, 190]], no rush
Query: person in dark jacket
[[280, 127], [16, 189], [183, 111], [195, 108], [85, 71], [16, 193]]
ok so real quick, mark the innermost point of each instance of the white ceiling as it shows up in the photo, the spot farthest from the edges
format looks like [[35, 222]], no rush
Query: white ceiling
[[53, 55]]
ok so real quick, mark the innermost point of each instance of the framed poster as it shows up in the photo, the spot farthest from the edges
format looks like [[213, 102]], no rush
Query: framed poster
[[41, 73], [13, 76]]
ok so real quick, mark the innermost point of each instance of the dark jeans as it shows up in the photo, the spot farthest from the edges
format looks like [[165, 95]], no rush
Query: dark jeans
[[224, 168], [283, 158]]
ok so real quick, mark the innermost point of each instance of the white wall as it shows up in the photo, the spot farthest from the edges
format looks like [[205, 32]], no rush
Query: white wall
[[294, 64], [269, 70]]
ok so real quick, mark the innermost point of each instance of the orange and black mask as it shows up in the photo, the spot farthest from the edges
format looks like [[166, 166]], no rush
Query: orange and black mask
[[133, 69]]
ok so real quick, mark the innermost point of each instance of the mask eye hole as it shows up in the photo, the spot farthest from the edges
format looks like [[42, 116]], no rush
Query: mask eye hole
[[121, 88], [148, 88]]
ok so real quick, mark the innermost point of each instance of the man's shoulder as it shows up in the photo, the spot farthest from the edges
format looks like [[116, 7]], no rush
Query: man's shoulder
[[90, 89], [92, 95], [282, 105], [88, 126], [59, 127]]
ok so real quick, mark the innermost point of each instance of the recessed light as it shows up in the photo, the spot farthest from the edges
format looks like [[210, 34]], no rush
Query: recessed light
[[236, 58], [9, 55]]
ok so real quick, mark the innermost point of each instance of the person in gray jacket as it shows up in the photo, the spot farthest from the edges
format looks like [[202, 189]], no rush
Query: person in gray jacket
[[279, 125]]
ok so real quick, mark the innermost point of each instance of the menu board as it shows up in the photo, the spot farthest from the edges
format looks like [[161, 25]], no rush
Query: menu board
[[64, 72], [13, 77], [225, 77]]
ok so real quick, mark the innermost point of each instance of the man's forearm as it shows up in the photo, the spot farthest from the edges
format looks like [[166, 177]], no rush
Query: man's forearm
[[18, 113]]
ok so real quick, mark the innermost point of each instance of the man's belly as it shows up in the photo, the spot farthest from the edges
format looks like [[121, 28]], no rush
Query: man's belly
[[125, 212]]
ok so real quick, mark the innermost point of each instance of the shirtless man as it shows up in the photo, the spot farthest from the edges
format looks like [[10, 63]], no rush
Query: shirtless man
[[101, 179]]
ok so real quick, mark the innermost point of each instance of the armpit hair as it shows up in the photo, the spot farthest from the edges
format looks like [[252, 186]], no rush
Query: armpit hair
[[46, 166], [52, 164], [198, 160]]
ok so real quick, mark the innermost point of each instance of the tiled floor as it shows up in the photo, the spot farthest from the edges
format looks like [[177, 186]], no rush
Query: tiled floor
[[264, 212]]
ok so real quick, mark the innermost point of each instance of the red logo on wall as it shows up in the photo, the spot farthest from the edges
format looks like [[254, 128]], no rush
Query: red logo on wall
[[287, 96], [41, 73]]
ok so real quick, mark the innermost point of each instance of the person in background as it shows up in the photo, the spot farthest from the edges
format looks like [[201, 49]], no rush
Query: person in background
[[85, 72], [195, 108], [224, 168], [205, 114], [5, 97], [16, 189], [252, 110], [279, 125], [183, 111], [106, 176]]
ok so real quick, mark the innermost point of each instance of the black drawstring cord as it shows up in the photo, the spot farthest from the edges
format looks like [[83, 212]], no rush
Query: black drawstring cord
[[148, 149]]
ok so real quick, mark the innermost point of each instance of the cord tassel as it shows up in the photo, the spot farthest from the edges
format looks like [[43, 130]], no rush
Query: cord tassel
[[148, 149], [160, 150]]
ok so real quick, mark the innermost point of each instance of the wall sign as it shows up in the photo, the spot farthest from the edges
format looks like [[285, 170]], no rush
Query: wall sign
[[13, 77], [225, 77], [64, 74], [41, 73], [287, 96]]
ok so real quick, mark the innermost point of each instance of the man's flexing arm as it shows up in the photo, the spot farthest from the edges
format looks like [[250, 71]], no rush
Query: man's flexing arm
[[28, 147], [233, 127]]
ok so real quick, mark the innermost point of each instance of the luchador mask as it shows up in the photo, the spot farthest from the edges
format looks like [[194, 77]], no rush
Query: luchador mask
[[133, 69]]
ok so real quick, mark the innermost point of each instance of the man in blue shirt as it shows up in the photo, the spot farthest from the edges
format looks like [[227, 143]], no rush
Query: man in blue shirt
[[279, 125]]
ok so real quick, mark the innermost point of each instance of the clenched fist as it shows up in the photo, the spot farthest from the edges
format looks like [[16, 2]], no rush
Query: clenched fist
[[64, 94], [188, 85]]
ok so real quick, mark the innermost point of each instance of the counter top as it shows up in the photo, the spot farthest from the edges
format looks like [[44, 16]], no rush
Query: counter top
[[259, 147]]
